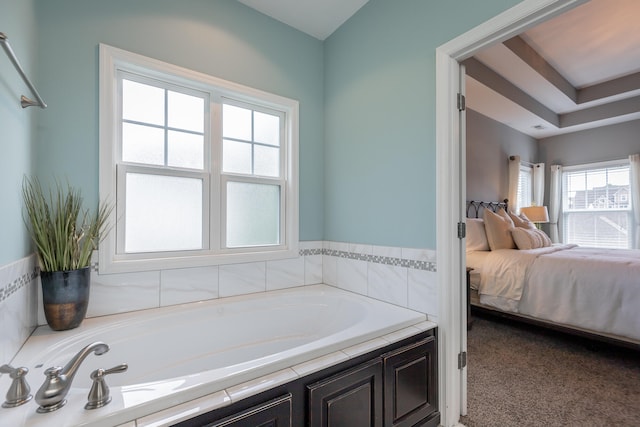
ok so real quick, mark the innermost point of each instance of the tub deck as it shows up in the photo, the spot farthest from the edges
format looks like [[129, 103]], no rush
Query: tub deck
[[214, 351]]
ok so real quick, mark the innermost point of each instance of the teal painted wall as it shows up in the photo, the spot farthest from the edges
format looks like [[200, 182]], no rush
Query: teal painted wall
[[380, 150], [17, 20], [222, 38], [367, 100]]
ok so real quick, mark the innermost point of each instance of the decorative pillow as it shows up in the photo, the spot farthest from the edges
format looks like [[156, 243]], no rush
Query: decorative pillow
[[527, 238], [498, 227], [476, 235], [546, 241], [522, 221]]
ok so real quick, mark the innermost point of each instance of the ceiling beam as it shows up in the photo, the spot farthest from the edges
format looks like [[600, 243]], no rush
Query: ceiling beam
[[504, 87], [532, 58], [609, 88], [601, 112]]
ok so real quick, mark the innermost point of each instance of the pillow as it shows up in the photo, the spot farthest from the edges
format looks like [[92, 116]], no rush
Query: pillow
[[521, 221], [526, 238], [498, 228], [546, 241], [476, 235]]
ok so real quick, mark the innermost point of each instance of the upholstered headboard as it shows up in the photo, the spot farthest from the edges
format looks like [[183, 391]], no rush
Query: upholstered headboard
[[475, 207]]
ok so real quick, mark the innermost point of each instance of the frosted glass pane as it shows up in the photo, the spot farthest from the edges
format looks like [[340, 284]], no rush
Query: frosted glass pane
[[236, 157], [186, 112], [186, 150], [253, 214], [142, 103], [142, 144], [267, 161], [164, 213], [266, 128], [236, 122]]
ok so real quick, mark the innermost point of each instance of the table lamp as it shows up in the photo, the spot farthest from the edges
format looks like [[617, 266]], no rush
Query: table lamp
[[536, 214]]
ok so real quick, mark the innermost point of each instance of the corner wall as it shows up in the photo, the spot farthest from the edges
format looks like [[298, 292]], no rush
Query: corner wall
[[17, 156]]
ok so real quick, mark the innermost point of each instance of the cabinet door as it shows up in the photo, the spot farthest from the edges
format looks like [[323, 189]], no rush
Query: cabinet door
[[275, 413], [348, 399], [410, 384]]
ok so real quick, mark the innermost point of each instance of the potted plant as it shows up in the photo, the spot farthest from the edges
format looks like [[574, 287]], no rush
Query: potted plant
[[65, 235]]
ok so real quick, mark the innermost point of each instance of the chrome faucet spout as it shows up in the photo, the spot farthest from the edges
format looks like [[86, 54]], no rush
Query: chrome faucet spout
[[72, 366], [52, 393]]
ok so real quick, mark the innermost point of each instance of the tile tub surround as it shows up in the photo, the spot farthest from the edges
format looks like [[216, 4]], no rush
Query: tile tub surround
[[205, 366], [18, 298], [402, 276]]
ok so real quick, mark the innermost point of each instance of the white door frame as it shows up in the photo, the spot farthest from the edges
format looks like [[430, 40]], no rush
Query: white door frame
[[449, 181]]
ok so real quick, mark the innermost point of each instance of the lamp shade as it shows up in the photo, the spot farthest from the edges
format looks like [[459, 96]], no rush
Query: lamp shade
[[536, 213]]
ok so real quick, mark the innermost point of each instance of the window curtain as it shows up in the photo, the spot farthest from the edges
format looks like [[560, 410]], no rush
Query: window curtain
[[555, 198], [538, 184], [634, 172], [514, 177]]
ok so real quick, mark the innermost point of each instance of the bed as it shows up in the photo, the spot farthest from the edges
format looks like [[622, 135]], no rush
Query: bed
[[585, 291]]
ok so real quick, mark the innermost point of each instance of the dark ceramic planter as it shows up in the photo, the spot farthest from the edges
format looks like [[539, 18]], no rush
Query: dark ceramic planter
[[65, 297]]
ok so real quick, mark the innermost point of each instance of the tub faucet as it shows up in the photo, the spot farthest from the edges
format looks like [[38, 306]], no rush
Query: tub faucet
[[52, 393]]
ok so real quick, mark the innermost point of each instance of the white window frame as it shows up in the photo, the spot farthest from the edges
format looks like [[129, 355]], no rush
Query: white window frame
[[588, 167], [114, 260]]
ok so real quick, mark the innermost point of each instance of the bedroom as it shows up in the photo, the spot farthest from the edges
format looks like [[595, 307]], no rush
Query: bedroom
[[490, 143], [543, 123]]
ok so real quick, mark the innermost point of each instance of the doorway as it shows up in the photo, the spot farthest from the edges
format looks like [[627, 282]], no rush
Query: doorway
[[451, 192]]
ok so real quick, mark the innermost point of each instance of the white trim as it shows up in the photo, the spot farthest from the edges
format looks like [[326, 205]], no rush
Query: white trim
[[111, 61], [597, 165], [507, 24]]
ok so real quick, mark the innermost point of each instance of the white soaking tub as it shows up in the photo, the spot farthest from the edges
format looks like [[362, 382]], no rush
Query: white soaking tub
[[180, 353]]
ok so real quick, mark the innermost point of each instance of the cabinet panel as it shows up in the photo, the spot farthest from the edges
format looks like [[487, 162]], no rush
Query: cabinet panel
[[349, 399], [275, 413], [410, 384]]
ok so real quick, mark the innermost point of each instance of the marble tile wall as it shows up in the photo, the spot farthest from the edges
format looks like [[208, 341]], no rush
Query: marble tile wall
[[18, 304], [401, 276]]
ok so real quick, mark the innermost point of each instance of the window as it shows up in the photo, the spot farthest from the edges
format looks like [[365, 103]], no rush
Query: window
[[525, 187], [595, 204], [202, 171]]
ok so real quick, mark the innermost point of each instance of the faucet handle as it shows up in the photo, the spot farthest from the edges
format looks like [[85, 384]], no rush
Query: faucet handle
[[99, 393], [19, 392]]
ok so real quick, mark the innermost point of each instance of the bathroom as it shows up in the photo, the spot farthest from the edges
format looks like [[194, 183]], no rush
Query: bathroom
[[367, 184]]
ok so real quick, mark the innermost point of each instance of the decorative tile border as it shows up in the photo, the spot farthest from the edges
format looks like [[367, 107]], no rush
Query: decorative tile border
[[377, 259], [11, 286]]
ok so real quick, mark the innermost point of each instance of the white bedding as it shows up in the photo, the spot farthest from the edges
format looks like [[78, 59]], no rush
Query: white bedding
[[475, 259], [594, 289]]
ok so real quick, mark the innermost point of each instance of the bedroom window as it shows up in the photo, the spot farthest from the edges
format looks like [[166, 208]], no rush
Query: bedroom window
[[202, 171], [596, 205], [525, 187]]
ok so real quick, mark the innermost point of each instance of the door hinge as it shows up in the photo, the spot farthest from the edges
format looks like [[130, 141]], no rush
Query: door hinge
[[462, 360], [462, 102], [462, 230]]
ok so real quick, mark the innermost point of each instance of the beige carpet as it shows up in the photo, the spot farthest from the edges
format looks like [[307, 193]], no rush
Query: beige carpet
[[525, 376]]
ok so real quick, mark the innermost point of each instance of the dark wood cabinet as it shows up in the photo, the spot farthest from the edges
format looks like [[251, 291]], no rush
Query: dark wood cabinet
[[274, 413], [391, 386], [349, 399], [410, 394]]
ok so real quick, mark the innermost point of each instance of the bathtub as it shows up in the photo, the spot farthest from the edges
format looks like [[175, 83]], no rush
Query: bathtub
[[180, 353]]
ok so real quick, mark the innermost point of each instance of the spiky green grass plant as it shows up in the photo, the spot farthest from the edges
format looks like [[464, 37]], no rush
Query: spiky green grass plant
[[65, 234]]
